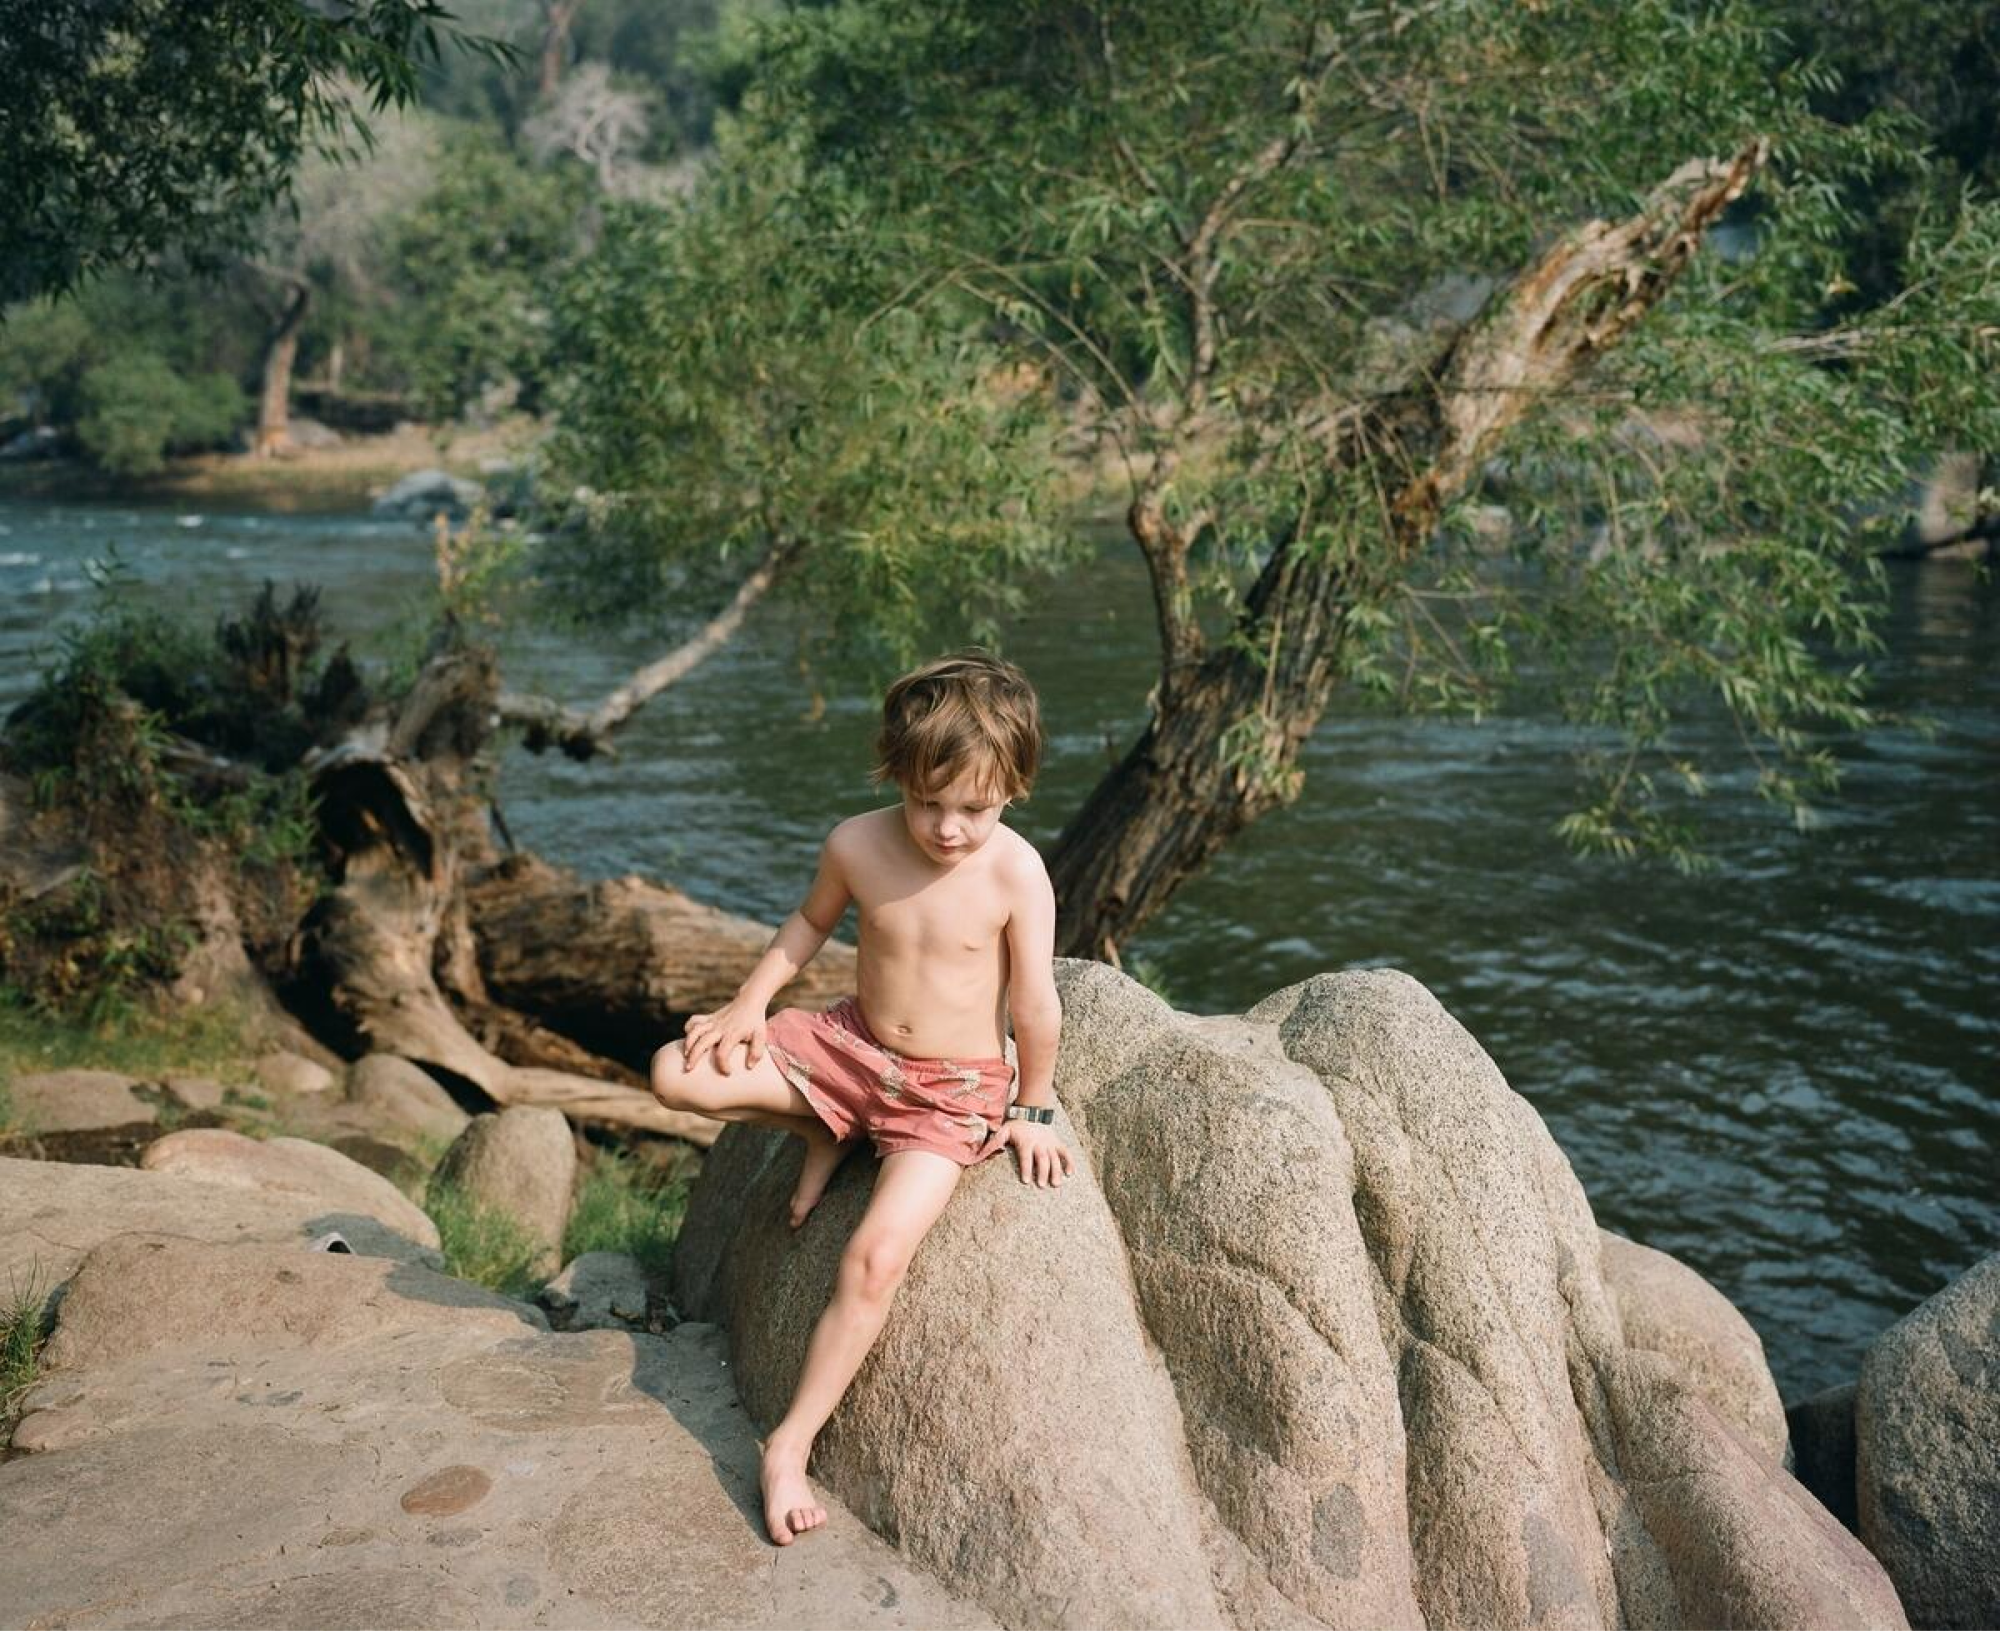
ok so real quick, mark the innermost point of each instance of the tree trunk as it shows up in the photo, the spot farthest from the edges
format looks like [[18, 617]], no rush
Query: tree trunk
[[557, 17], [403, 832], [274, 401], [618, 966], [1222, 745]]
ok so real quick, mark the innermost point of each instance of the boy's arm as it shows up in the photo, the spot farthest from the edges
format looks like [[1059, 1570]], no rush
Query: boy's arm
[[1040, 1156], [796, 943]]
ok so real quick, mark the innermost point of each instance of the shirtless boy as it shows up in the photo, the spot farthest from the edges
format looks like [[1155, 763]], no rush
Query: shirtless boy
[[957, 932]]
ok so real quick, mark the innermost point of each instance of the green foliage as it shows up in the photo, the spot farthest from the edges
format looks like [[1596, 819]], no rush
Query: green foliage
[[1216, 233], [737, 386], [627, 1205], [24, 1329], [137, 410], [139, 1039], [472, 264], [172, 757], [482, 1244], [128, 127]]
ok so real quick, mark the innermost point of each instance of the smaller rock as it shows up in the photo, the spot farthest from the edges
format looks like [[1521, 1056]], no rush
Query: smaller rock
[[446, 1492], [70, 1101], [311, 433], [1822, 1429], [195, 1092], [1927, 1452], [423, 493], [405, 1095], [293, 1166], [522, 1162], [597, 1291], [56, 1429], [1668, 1308], [289, 1073]]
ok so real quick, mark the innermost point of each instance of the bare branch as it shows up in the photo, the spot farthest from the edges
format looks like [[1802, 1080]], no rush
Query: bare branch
[[548, 723]]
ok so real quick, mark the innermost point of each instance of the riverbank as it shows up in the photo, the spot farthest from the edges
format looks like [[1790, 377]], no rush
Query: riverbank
[[346, 475]]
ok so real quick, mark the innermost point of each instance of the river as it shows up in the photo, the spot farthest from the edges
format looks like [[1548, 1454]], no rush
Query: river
[[1783, 1071]]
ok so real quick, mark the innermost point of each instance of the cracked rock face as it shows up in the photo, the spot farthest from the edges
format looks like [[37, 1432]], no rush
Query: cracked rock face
[[1319, 1334], [259, 1435], [1927, 1452]]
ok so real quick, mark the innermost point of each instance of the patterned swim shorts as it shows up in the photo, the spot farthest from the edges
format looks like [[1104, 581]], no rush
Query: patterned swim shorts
[[854, 1084]]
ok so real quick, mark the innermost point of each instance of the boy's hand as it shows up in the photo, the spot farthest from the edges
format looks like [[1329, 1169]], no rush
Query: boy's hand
[[1039, 1156], [722, 1031]]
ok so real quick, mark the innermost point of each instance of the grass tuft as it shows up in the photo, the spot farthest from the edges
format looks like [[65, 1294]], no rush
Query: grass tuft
[[624, 1206], [481, 1243], [22, 1333]]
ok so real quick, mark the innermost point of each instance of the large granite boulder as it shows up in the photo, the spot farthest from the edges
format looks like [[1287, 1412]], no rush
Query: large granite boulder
[[53, 1212], [1324, 1304], [520, 1161], [295, 1166], [265, 1436], [1664, 1306], [1927, 1452]]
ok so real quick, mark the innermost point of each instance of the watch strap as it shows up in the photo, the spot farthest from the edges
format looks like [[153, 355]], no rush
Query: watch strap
[[1043, 1113]]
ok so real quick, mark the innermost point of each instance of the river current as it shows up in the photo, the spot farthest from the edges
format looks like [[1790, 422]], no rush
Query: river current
[[1785, 1071]]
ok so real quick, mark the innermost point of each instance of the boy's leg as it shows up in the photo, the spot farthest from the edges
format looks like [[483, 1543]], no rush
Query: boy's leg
[[910, 1193], [757, 1093]]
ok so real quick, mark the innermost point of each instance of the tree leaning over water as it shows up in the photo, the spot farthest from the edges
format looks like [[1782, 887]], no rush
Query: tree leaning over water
[[1432, 341]]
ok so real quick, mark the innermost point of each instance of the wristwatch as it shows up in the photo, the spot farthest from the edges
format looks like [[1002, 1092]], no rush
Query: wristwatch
[[1044, 1113]]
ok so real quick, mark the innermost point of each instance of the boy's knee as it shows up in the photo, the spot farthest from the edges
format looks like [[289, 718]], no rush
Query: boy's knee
[[670, 1078], [875, 1266]]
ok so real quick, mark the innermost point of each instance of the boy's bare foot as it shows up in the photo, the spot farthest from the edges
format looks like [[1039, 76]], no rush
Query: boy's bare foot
[[823, 1158], [790, 1508]]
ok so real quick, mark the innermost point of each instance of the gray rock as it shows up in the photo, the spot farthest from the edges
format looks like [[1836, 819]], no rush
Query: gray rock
[[422, 494], [1927, 1452], [1822, 1433], [405, 1096], [329, 1441], [521, 1161], [1664, 1306], [311, 433], [53, 1212], [195, 1092], [284, 1072], [66, 1101], [1400, 1389], [598, 1290], [290, 1166]]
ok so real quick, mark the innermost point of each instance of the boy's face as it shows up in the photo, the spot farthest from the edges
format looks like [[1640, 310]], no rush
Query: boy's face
[[949, 822]]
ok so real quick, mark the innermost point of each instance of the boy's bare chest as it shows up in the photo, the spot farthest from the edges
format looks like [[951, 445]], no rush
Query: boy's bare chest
[[939, 920]]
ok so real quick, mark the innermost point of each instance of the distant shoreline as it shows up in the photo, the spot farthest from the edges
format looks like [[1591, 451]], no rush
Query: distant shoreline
[[343, 477]]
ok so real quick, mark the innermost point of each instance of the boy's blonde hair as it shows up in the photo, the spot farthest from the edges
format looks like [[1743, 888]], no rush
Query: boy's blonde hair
[[965, 710]]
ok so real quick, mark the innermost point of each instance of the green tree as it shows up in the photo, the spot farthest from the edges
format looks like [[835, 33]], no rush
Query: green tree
[[1233, 237], [131, 127]]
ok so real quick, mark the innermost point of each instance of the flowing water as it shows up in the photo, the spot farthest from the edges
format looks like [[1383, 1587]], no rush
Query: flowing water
[[1783, 1071]]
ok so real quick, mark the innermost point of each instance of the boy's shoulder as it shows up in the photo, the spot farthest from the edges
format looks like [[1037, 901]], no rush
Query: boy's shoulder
[[1020, 862]]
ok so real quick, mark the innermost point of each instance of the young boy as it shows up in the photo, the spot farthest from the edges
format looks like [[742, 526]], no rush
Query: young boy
[[957, 931]]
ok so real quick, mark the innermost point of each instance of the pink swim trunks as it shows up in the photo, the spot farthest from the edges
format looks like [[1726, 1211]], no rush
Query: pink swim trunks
[[856, 1085]]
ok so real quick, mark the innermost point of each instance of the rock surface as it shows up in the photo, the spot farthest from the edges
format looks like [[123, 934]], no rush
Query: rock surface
[[423, 493], [284, 1072], [64, 1101], [521, 1161], [405, 1096], [361, 1443], [598, 1290], [293, 1166], [1328, 1294], [1665, 1307], [53, 1213], [1927, 1452]]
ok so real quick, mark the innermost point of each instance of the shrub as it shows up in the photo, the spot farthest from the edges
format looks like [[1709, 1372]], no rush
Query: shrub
[[137, 409]]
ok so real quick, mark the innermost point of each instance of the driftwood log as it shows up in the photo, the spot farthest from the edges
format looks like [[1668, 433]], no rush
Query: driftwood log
[[619, 965], [389, 957]]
